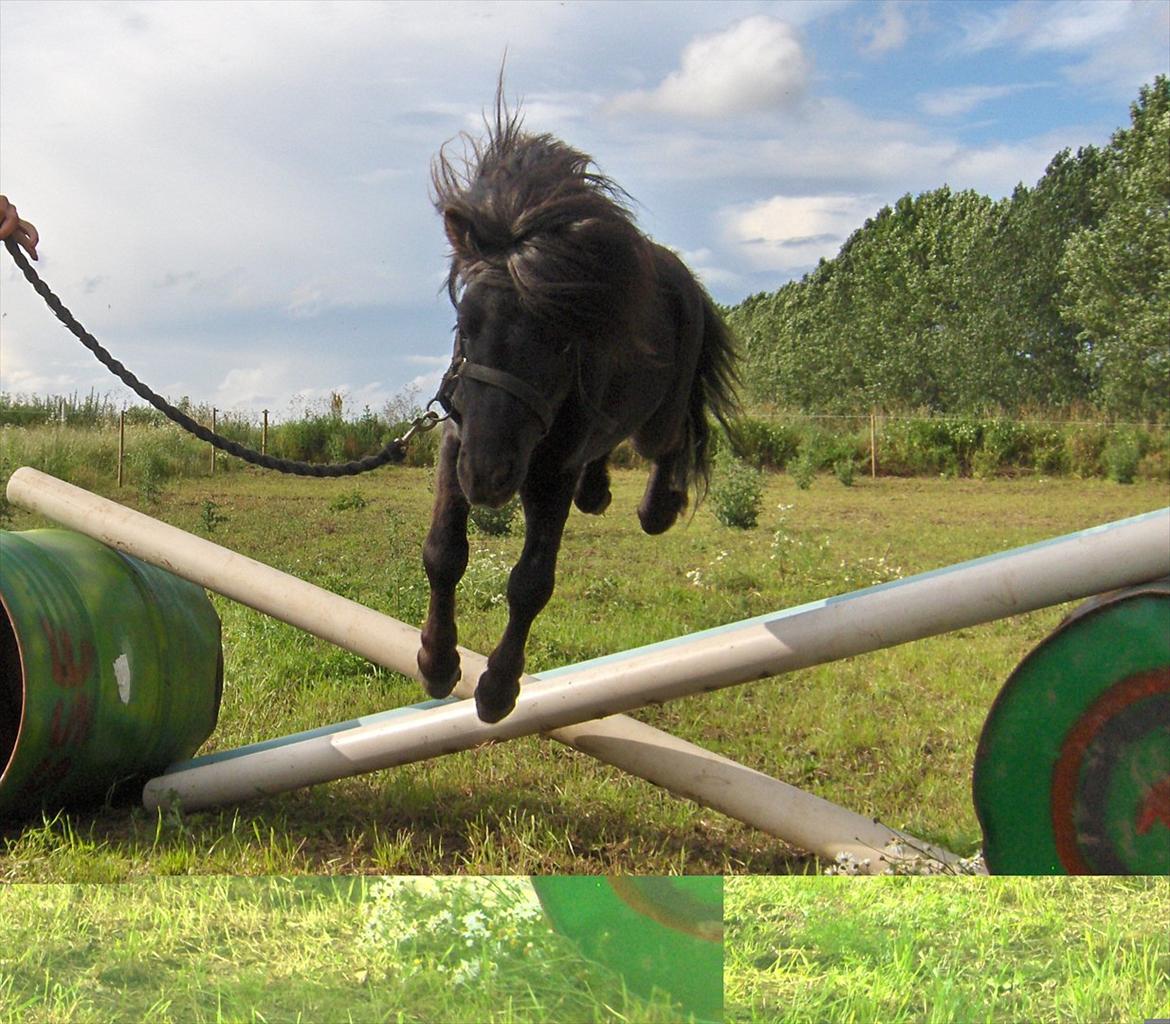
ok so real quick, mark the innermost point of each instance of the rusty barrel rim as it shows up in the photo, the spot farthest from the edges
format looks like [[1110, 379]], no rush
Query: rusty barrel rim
[[661, 933]]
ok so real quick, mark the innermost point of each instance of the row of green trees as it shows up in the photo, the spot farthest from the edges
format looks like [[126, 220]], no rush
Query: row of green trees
[[949, 301]]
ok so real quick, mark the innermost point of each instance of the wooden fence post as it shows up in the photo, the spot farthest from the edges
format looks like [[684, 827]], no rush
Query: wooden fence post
[[213, 410], [121, 443], [873, 444]]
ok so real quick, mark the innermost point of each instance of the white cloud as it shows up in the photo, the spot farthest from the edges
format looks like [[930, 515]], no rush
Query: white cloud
[[559, 113], [423, 386], [1067, 25], [707, 266], [1120, 43], [254, 386], [416, 359], [996, 168], [963, 99], [183, 137], [888, 31], [831, 146], [44, 362], [836, 148], [758, 64], [788, 233]]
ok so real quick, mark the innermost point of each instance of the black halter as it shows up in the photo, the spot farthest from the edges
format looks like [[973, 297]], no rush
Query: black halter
[[461, 369]]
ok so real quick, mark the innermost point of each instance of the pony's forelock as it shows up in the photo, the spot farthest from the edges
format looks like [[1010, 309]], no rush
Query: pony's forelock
[[529, 212]]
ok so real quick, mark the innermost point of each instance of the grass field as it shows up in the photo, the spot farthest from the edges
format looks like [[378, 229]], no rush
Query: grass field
[[299, 951], [946, 950], [360, 950], [891, 734]]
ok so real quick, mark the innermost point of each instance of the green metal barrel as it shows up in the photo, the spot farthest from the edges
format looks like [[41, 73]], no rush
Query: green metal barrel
[[110, 670], [661, 933], [1072, 774]]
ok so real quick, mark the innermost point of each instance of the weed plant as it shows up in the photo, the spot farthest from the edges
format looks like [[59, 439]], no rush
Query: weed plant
[[843, 470], [349, 500], [493, 522], [211, 517], [485, 584], [737, 494], [1123, 455], [464, 928], [803, 470]]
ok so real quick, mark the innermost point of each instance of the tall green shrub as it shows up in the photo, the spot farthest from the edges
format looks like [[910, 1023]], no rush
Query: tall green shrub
[[737, 494]]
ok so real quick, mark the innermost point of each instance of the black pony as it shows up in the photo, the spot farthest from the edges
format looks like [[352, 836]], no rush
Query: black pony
[[574, 332]]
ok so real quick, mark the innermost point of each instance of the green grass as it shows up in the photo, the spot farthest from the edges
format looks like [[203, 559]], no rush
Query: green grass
[[450, 950], [318, 951], [890, 734], [946, 950]]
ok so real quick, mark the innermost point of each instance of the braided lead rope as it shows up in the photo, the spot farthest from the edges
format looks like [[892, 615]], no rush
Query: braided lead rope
[[394, 452]]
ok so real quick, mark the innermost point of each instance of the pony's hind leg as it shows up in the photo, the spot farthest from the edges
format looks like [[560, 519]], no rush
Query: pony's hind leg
[[593, 495], [445, 560], [663, 499]]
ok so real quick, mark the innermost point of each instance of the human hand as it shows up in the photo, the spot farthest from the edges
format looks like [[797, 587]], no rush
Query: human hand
[[11, 226]]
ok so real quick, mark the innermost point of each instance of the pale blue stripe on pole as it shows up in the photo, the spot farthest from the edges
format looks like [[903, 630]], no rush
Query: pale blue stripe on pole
[[308, 734], [853, 595]]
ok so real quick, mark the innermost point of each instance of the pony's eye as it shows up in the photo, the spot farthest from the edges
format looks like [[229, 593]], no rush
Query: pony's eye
[[469, 324]]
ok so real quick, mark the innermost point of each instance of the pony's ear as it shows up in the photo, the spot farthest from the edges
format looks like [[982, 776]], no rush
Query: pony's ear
[[460, 233]]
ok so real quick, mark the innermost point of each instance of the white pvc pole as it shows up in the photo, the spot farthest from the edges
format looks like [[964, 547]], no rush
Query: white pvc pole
[[1075, 566], [687, 770]]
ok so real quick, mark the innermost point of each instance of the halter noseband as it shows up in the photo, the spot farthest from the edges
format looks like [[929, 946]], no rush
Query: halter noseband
[[461, 369]]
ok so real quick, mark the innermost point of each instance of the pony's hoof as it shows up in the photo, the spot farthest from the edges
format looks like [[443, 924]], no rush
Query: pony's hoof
[[593, 504], [493, 703], [439, 677], [659, 516], [592, 495]]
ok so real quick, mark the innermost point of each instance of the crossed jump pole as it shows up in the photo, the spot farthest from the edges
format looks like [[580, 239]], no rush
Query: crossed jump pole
[[582, 704]]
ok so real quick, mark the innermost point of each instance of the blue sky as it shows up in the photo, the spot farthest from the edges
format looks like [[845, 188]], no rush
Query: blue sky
[[234, 197]]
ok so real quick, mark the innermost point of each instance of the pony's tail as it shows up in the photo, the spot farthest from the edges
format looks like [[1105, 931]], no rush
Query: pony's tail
[[713, 394]]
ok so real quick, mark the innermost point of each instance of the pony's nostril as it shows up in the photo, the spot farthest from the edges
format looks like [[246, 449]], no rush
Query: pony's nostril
[[502, 475]]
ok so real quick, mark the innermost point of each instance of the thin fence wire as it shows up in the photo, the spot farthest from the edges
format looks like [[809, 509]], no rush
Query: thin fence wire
[[93, 407], [127, 424]]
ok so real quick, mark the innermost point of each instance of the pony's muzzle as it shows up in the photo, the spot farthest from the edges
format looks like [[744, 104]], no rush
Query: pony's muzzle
[[489, 482]]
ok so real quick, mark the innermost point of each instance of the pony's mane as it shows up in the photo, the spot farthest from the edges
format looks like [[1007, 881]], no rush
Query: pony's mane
[[531, 213]]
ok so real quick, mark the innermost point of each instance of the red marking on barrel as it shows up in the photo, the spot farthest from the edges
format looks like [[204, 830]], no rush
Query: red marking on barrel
[[1155, 807], [71, 724], [1066, 773], [70, 668]]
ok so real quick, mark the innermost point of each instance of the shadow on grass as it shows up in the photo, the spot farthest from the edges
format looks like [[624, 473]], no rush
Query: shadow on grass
[[406, 827]]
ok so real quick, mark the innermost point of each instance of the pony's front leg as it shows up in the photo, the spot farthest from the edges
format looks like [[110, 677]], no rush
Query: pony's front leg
[[445, 560], [546, 507]]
